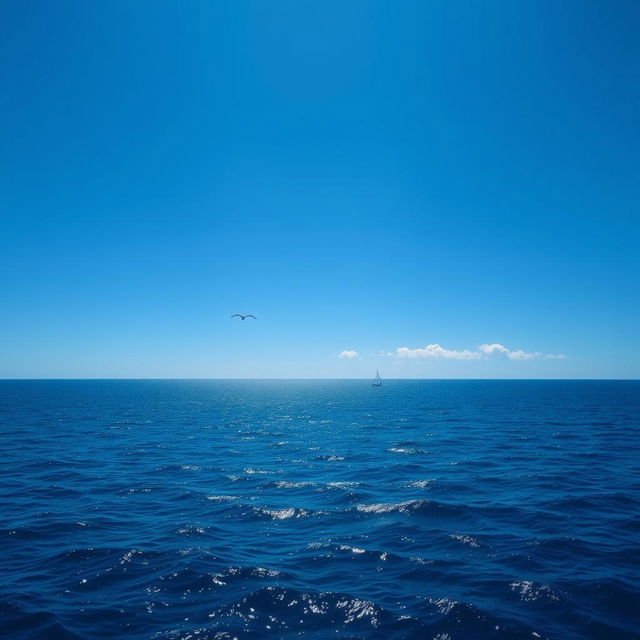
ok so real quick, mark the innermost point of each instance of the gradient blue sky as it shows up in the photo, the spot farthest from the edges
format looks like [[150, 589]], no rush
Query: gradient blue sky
[[360, 175]]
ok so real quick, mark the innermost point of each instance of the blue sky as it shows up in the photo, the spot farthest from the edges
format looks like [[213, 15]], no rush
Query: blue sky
[[362, 176]]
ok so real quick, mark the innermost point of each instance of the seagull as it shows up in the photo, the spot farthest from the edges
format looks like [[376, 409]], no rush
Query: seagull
[[246, 315]]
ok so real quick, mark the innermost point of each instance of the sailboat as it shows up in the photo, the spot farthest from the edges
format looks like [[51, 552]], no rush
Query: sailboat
[[377, 381]]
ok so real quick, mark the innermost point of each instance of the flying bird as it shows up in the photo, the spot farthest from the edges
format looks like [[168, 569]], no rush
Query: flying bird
[[243, 316]]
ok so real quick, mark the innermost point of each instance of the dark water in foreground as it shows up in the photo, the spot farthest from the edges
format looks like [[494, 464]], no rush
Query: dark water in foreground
[[325, 509]]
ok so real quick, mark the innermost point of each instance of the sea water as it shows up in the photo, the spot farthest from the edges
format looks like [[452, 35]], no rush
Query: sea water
[[319, 509]]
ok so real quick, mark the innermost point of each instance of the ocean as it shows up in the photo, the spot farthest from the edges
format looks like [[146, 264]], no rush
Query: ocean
[[423, 509]]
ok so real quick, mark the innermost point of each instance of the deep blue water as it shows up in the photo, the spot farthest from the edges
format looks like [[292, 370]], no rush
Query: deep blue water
[[319, 509]]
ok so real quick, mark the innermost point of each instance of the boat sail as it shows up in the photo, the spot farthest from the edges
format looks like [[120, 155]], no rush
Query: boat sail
[[377, 381]]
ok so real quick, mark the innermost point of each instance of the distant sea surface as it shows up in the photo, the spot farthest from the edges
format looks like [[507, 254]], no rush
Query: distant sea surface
[[437, 510]]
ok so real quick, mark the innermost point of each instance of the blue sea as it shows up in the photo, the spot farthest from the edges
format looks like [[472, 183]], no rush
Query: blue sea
[[436, 510]]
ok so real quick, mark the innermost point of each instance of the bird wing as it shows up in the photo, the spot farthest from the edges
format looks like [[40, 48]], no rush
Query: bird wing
[[250, 316], [236, 315]]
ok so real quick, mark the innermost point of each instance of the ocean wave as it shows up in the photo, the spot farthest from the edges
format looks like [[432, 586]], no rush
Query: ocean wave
[[419, 507], [283, 514], [420, 484], [289, 484], [16, 622], [288, 612], [407, 450]]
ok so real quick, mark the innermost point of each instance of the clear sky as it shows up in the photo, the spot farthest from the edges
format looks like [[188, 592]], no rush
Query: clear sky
[[405, 181]]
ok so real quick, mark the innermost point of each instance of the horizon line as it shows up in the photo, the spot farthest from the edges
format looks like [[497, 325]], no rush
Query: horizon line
[[168, 379]]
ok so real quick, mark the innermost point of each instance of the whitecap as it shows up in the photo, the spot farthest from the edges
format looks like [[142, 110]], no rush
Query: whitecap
[[129, 555], [263, 572], [346, 547], [286, 484], [187, 530], [284, 514], [530, 591], [444, 605], [468, 540], [402, 507], [356, 609], [420, 484]]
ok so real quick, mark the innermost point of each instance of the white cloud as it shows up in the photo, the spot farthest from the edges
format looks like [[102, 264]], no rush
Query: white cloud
[[490, 349], [493, 348], [522, 355], [436, 351], [484, 351], [348, 354]]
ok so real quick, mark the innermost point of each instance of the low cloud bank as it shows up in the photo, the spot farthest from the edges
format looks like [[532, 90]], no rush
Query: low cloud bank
[[484, 351], [436, 351]]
